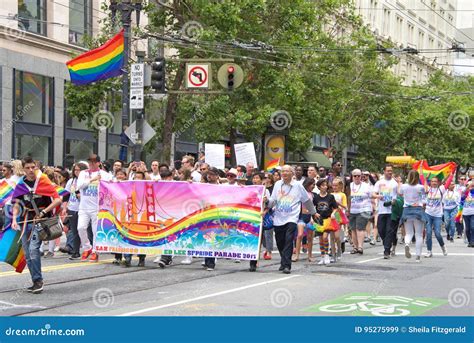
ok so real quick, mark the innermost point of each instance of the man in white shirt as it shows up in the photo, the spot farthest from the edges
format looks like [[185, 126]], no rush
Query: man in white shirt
[[188, 163], [155, 171], [385, 190], [88, 185], [286, 199]]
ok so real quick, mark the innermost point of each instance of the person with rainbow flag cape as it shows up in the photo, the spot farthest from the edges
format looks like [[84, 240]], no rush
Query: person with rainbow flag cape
[[33, 189]]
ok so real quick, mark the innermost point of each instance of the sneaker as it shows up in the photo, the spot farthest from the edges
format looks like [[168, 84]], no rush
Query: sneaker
[[386, 256], [429, 254], [323, 261], [187, 260], [378, 240], [327, 260], [458, 236], [343, 247], [407, 251], [163, 264], [94, 257], [74, 257], [56, 249], [418, 259], [141, 263], [445, 252], [286, 271], [203, 264], [37, 287], [281, 268], [236, 261], [116, 262], [157, 260], [338, 256], [366, 240], [30, 289], [65, 250], [210, 269], [392, 251], [48, 254], [267, 256], [86, 254], [372, 242]]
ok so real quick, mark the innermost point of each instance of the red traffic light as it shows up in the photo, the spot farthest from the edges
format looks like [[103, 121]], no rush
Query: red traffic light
[[230, 69]]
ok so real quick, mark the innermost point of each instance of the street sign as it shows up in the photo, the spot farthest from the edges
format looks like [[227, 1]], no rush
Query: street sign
[[137, 75], [148, 133], [222, 75], [198, 75], [136, 98]]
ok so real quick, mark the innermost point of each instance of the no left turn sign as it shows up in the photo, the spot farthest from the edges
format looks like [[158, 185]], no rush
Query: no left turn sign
[[197, 75]]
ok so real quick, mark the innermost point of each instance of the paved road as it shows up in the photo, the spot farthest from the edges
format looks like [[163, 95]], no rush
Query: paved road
[[358, 285]]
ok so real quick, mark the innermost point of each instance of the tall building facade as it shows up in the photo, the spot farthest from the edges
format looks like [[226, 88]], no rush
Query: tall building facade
[[423, 25], [37, 37]]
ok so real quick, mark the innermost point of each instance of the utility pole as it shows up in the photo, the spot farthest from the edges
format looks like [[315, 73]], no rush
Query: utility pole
[[126, 8], [140, 118]]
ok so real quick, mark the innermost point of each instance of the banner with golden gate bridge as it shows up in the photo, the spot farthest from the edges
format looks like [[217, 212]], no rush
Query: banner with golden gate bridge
[[179, 218]]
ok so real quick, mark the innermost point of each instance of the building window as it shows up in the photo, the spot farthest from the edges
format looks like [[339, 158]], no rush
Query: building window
[[410, 34], [79, 149], [33, 98], [32, 16], [421, 40], [80, 20], [386, 21], [320, 141], [38, 147]]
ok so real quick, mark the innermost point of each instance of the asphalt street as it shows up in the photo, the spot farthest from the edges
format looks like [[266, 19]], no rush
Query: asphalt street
[[357, 285]]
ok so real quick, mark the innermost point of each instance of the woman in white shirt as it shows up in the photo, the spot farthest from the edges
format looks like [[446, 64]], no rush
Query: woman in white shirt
[[434, 213], [360, 210], [468, 213], [451, 201], [413, 213]]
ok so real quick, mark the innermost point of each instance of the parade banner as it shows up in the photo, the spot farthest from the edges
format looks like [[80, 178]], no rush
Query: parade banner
[[179, 218]]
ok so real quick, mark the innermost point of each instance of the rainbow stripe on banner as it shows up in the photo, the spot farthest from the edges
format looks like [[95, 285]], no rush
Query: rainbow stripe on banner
[[11, 251], [101, 63], [443, 172], [6, 192], [273, 164]]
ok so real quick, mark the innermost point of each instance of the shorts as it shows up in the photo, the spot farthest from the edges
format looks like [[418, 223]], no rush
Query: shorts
[[304, 218], [359, 221]]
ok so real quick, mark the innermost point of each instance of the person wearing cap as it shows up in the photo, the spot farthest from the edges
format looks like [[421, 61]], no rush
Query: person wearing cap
[[242, 179], [88, 185], [231, 176], [360, 210], [286, 200]]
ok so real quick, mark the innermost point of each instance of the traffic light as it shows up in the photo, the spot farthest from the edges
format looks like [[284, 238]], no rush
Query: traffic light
[[158, 72], [230, 77]]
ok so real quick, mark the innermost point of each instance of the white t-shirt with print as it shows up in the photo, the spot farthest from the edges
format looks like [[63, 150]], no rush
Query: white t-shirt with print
[[451, 200], [412, 195], [434, 201], [468, 209], [360, 198], [388, 190], [89, 200], [286, 201]]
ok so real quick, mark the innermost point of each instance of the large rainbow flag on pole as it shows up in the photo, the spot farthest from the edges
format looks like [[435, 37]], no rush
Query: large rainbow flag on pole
[[6, 191], [101, 63], [10, 249], [443, 172]]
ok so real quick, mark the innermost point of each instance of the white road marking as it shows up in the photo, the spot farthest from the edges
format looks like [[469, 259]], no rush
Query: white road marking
[[206, 296], [441, 254], [372, 259]]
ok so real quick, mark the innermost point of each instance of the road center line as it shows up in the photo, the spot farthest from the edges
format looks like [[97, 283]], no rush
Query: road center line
[[372, 259], [207, 296]]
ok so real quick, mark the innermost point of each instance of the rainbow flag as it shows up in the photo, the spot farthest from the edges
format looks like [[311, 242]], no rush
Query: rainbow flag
[[101, 63], [273, 164], [458, 217], [6, 192], [443, 172], [10, 249], [43, 186], [61, 191]]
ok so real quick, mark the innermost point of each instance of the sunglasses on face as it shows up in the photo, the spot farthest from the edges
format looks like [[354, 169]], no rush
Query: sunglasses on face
[[356, 175]]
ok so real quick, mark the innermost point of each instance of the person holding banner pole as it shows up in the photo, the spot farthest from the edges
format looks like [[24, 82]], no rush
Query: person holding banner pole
[[286, 200]]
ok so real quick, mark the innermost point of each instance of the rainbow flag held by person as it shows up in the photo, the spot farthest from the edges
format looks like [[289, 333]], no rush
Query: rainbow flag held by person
[[341, 217], [6, 191], [43, 186], [443, 172], [273, 164], [458, 217], [101, 63], [61, 191], [11, 251]]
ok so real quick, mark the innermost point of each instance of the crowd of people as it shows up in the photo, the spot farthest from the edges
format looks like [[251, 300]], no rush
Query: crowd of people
[[300, 205]]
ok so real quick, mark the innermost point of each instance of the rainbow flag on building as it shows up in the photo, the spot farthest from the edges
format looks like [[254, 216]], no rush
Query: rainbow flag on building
[[6, 192], [101, 63], [10, 249], [443, 172]]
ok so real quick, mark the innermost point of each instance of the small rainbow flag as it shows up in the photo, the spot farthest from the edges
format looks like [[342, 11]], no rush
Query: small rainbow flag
[[61, 191], [443, 172], [458, 217], [6, 192], [10, 249], [101, 63], [273, 164]]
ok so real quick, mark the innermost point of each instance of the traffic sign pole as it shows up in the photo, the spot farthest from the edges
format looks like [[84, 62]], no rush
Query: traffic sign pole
[[137, 81]]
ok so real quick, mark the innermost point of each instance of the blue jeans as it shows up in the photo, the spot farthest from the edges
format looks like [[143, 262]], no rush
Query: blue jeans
[[31, 248], [469, 222], [433, 222], [449, 223]]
